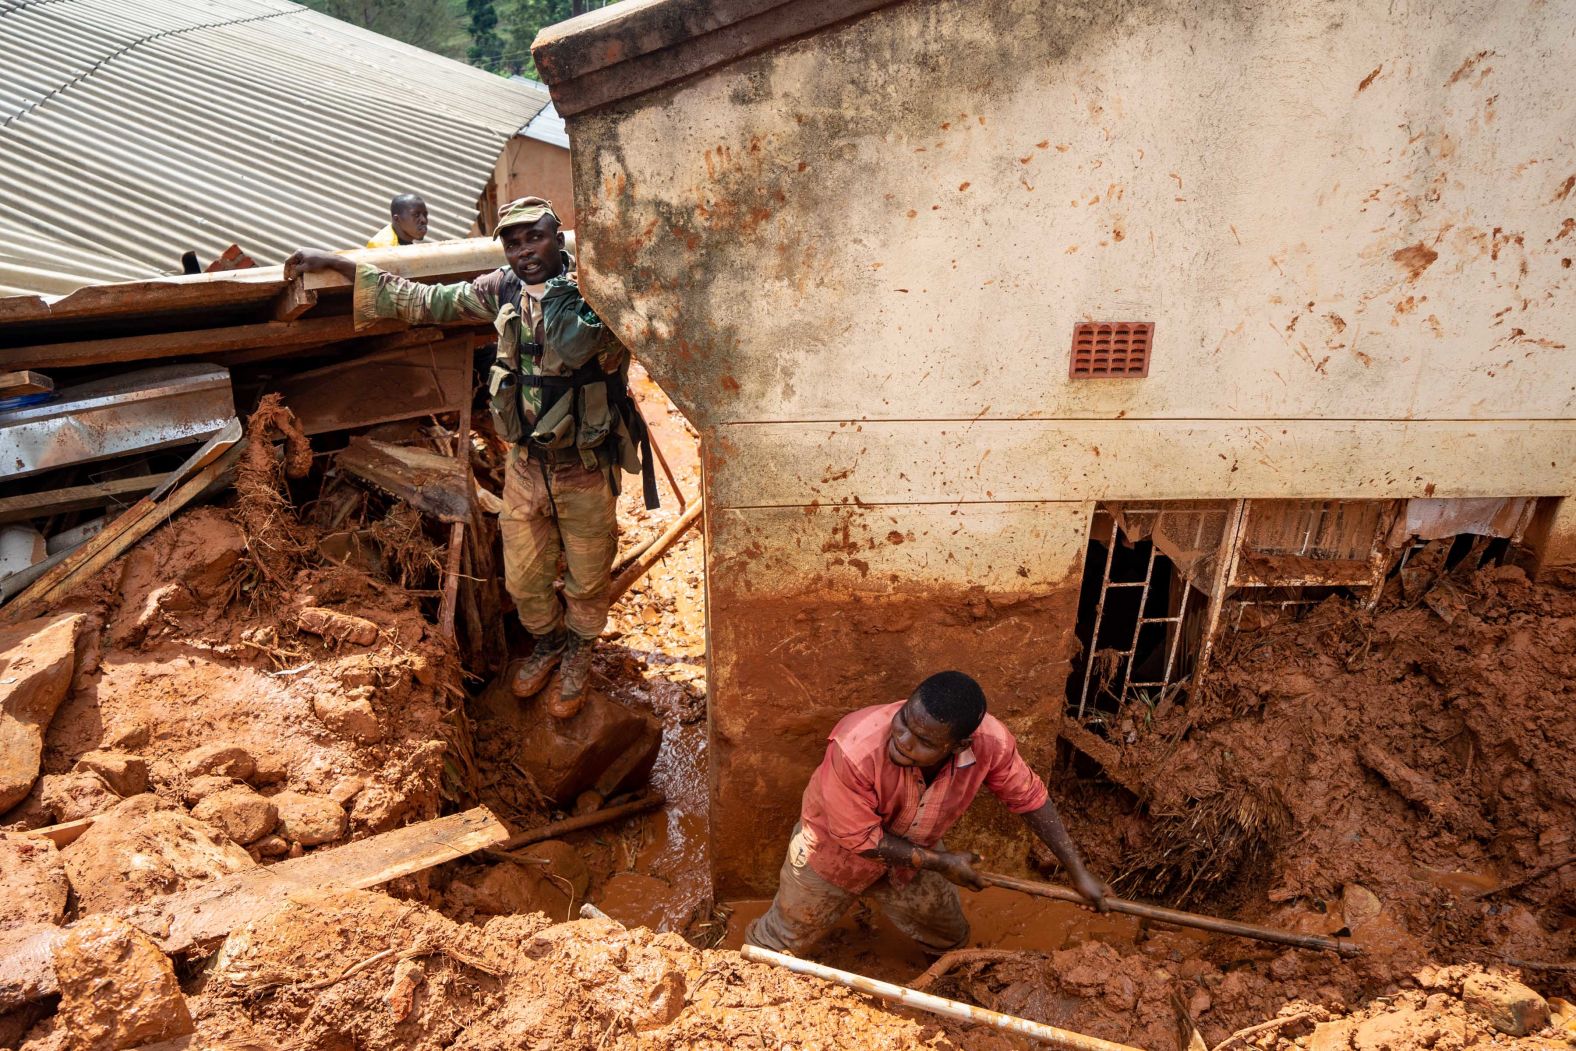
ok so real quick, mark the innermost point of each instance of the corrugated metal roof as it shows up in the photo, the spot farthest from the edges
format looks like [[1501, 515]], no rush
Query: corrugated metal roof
[[547, 126], [134, 130]]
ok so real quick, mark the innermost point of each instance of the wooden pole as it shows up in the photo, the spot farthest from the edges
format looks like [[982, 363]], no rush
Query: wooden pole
[[640, 566], [1177, 916], [649, 801], [1064, 1039]]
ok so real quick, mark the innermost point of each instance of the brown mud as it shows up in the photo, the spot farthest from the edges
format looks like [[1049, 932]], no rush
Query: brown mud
[[1356, 772]]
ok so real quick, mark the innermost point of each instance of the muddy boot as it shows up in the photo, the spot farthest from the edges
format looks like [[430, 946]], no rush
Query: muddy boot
[[573, 678], [536, 669]]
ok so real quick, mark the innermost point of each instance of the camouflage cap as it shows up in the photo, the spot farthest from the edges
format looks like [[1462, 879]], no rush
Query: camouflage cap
[[524, 210]]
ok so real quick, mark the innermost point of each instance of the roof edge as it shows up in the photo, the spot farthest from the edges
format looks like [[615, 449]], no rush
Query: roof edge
[[635, 47]]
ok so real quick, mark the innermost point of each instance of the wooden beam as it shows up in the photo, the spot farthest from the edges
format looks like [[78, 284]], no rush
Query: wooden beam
[[64, 834], [163, 345], [17, 384], [203, 915], [294, 301], [431, 482], [74, 498], [401, 383]]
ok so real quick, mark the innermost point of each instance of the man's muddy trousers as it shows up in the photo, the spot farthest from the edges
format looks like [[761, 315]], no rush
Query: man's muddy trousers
[[926, 908], [584, 531]]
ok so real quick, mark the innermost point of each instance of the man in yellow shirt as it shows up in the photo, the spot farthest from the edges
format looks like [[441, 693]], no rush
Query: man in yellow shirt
[[407, 223]]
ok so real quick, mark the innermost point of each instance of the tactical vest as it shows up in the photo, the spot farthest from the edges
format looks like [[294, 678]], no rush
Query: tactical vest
[[586, 414]]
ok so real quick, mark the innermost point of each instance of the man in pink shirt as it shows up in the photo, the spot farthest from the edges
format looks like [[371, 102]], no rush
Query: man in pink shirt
[[895, 778]]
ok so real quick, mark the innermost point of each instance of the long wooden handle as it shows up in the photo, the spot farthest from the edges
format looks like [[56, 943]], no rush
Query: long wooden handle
[[1176, 916]]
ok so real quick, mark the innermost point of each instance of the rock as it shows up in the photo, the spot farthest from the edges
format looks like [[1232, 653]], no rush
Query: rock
[[239, 813], [132, 733], [34, 879], [310, 820], [200, 788], [565, 758], [346, 789], [340, 627], [125, 773], [269, 847], [1358, 905], [1332, 1036], [226, 760], [348, 716], [142, 848], [117, 990], [271, 769], [69, 797], [1505, 1004], [37, 661], [401, 997]]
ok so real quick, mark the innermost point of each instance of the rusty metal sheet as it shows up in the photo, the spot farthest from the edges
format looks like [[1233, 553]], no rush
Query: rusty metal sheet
[[133, 412]]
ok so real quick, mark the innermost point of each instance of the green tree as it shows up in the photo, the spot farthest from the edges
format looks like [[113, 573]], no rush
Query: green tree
[[486, 48], [521, 20], [434, 25]]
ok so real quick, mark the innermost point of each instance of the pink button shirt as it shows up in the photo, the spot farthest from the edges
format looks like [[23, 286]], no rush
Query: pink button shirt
[[858, 793]]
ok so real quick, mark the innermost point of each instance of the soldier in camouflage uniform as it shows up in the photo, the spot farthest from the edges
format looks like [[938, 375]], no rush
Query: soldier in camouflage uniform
[[559, 394]]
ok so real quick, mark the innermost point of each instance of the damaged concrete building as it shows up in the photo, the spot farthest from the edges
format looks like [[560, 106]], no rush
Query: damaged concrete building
[[1050, 341]]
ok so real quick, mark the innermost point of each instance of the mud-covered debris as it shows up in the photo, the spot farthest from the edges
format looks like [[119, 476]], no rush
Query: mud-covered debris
[[143, 848], [1505, 1004], [71, 797], [239, 812], [117, 990], [337, 626], [125, 773], [37, 661], [221, 759], [349, 714], [310, 819], [34, 881]]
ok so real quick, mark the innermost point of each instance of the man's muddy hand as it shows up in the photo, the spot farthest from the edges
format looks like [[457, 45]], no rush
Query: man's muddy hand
[[1093, 890], [958, 867], [310, 260]]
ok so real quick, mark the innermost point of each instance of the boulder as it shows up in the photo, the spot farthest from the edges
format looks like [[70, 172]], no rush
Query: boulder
[[336, 626], [37, 661], [200, 788], [239, 813], [34, 879], [117, 990], [1505, 1004], [70, 797], [269, 846], [310, 819], [221, 758], [348, 715], [125, 773], [145, 847]]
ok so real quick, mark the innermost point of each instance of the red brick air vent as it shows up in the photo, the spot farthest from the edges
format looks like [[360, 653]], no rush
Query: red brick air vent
[[1111, 349]]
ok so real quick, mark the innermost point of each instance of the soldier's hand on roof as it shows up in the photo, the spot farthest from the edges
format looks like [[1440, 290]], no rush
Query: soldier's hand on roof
[[309, 260]]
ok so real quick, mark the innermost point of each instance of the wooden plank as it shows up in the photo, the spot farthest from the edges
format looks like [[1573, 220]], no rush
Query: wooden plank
[[164, 345], [16, 384], [74, 498], [428, 481], [65, 833], [203, 915]]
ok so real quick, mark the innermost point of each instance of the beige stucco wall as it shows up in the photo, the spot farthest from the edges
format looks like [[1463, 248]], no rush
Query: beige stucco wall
[[856, 261], [527, 167]]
